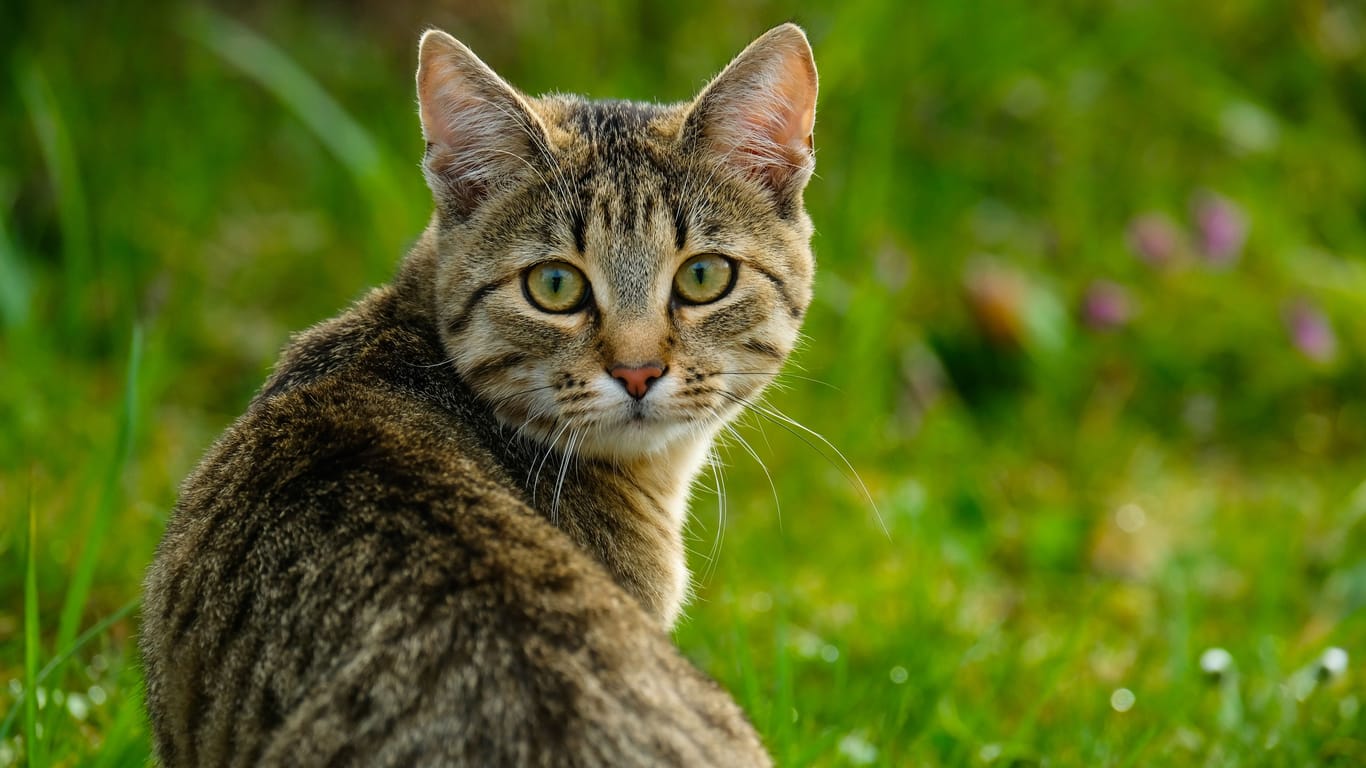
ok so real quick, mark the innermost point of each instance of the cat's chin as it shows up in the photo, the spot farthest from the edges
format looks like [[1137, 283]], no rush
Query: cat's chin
[[627, 440], [636, 439]]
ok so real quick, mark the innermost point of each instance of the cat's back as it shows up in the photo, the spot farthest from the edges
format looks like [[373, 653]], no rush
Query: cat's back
[[350, 577]]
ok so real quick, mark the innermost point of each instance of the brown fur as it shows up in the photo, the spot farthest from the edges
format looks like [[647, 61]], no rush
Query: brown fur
[[433, 538]]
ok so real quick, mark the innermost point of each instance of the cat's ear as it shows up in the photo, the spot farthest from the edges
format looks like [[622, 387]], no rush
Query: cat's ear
[[480, 131], [758, 114]]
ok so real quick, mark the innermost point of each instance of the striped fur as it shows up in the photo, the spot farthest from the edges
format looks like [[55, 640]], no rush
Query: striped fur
[[442, 533]]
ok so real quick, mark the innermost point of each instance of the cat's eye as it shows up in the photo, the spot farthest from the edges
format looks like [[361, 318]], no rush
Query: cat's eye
[[704, 278], [555, 286]]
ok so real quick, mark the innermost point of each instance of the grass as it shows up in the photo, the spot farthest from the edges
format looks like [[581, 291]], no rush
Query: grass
[[60, 158], [32, 643], [1093, 465], [97, 528]]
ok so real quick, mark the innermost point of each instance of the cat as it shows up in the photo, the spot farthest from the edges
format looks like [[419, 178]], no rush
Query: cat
[[448, 529]]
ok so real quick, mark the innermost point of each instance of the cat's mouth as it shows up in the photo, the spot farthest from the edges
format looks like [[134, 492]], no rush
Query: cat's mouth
[[634, 429], [609, 424]]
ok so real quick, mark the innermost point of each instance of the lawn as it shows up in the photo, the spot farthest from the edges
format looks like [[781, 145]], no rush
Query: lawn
[[1081, 471]]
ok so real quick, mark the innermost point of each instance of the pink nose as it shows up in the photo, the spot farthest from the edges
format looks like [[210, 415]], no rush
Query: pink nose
[[637, 380]]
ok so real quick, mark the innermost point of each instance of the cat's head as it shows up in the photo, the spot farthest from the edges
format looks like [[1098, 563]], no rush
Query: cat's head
[[615, 277]]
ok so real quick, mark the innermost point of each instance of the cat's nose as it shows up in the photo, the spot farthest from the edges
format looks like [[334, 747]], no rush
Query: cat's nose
[[637, 379]]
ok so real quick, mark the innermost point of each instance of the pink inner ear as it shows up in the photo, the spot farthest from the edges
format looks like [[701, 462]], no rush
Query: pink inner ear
[[797, 90], [764, 114], [779, 111], [446, 100], [470, 121]]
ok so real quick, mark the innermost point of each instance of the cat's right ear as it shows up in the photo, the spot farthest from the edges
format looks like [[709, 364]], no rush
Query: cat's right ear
[[480, 131]]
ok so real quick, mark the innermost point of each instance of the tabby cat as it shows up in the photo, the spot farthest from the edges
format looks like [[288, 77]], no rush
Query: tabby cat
[[448, 530]]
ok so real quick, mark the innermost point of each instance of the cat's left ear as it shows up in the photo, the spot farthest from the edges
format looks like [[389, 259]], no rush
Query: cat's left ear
[[480, 131], [757, 116]]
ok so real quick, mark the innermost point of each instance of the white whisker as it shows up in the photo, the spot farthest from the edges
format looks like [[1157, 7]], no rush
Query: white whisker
[[559, 481], [537, 466], [778, 505], [715, 553], [850, 474]]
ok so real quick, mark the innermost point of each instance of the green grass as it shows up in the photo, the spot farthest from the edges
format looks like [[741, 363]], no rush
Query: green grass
[[32, 643], [1073, 515]]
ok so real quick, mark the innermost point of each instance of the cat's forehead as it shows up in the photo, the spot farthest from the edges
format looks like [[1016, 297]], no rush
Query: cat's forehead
[[610, 122], [623, 171], [615, 138], [618, 122]]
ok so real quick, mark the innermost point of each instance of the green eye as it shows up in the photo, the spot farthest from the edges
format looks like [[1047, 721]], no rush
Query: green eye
[[704, 278], [555, 286]]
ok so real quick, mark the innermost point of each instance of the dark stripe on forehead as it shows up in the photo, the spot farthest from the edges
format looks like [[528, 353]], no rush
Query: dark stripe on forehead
[[580, 226], [647, 206], [680, 227], [613, 119], [605, 212], [626, 173]]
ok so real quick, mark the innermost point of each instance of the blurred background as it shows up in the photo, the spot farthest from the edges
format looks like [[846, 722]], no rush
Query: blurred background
[[1088, 328]]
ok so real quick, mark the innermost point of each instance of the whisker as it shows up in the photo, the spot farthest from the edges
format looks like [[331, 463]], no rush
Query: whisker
[[559, 482], [535, 482], [536, 415], [759, 425], [772, 486], [715, 554], [531, 415], [850, 474], [778, 375], [521, 393]]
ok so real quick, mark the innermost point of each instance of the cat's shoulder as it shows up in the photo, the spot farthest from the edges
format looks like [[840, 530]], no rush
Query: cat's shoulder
[[336, 343]]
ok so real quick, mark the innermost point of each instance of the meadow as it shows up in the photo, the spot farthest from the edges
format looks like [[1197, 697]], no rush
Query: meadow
[[1081, 476]]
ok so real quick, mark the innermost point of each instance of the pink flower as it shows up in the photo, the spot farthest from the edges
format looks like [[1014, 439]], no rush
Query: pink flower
[[1220, 227], [1106, 306], [1311, 332]]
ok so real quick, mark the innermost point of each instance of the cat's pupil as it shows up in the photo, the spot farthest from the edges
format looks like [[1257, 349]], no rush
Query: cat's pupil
[[556, 279], [700, 272]]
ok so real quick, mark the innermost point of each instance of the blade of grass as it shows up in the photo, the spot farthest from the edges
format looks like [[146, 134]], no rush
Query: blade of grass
[[63, 655], [59, 155], [16, 287], [97, 629], [31, 640], [332, 125], [79, 591]]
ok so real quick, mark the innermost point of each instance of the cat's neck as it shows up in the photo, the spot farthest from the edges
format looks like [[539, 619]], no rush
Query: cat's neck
[[630, 516], [670, 475]]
